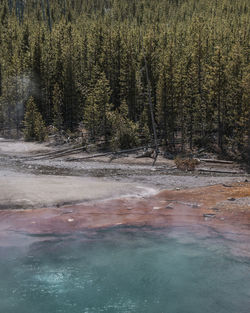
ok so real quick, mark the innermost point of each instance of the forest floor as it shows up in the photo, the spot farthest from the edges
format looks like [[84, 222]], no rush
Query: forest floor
[[40, 195]]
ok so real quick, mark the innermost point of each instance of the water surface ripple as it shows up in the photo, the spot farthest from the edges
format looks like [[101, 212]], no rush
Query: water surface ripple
[[124, 270]]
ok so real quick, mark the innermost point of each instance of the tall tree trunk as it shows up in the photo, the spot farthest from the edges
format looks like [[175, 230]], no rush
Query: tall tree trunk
[[248, 146], [49, 17]]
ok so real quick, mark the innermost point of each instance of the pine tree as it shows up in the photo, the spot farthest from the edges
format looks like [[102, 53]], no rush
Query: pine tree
[[0, 79], [198, 91], [97, 109], [124, 131], [236, 113], [57, 101], [34, 126], [217, 84]]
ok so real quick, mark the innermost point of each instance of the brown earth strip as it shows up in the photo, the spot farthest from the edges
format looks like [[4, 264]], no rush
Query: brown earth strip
[[225, 209]]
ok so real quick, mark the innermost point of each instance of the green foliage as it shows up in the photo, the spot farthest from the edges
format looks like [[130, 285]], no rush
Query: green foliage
[[83, 56], [57, 107], [34, 125], [97, 108], [124, 131]]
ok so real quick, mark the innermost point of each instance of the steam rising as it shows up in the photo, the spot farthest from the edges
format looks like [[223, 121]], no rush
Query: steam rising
[[16, 91]]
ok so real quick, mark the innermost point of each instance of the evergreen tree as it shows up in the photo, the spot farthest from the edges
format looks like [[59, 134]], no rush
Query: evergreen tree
[[57, 107], [217, 83], [34, 126], [97, 109], [124, 131], [197, 55]]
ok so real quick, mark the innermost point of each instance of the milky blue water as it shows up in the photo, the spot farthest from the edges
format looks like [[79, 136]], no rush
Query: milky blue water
[[123, 272]]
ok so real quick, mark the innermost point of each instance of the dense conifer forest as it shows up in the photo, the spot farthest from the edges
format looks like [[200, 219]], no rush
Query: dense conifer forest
[[98, 64]]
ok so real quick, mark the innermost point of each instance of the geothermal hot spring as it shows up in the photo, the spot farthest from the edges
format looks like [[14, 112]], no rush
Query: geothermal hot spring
[[124, 270]]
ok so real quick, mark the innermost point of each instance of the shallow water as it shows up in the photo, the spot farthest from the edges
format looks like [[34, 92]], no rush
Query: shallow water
[[124, 270]]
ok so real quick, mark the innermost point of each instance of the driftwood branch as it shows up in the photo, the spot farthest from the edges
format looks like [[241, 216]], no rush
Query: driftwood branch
[[216, 161], [219, 172], [106, 154], [55, 154]]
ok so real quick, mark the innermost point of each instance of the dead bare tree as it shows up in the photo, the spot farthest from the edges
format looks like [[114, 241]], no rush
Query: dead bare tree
[[156, 147], [248, 143]]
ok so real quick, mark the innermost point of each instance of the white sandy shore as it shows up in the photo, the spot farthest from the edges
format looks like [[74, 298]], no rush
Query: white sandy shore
[[25, 191]]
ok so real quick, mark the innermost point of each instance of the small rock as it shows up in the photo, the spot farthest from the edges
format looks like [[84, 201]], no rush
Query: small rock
[[169, 207], [195, 206], [156, 208], [177, 188], [231, 199], [210, 215], [215, 209], [70, 220], [246, 181]]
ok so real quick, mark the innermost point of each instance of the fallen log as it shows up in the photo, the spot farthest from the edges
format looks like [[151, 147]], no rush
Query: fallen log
[[220, 172], [74, 151], [55, 155], [146, 154], [59, 151], [216, 161], [89, 157], [106, 154]]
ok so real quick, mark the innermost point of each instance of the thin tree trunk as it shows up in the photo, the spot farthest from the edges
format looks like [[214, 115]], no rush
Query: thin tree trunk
[[49, 18], [248, 147], [151, 110]]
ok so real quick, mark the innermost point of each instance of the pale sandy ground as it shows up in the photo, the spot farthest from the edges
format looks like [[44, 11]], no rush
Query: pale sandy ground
[[24, 191], [20, 189]]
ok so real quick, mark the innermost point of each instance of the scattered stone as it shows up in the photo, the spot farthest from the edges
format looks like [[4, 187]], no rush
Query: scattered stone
[[231, 199], [216, 209], [209, 215], [169, 207], [195, 206]]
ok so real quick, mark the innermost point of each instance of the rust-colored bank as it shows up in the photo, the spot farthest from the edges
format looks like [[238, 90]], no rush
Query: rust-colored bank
[[223, 208]]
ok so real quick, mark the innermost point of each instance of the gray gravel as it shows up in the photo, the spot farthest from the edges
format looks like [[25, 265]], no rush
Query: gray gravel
[[25, 183]]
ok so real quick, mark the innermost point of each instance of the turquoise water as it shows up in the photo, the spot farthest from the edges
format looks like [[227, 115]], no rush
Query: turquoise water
[[124, 271]]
